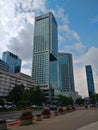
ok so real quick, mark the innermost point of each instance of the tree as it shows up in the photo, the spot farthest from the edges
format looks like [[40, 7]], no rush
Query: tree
[[64, 101], [15, 94], [27, 97], [1, 102], [39, 96], [69, 101], [94, 98], [32, 96], [79, 101]]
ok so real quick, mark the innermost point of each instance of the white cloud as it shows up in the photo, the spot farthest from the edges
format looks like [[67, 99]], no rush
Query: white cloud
[[26, 67], [88, 58], [16, 27], [59, 13], [22, 44], [91, 56], [77, 47], [69, 38], [80, 80], [75, 35]]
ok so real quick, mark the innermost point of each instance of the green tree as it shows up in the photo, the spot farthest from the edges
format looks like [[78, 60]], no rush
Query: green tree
[[1, 102], [39, 96], [32, 96], [64, 101], [28, 97], [94, 98], [79, 101], [69, 101], [15, 94]]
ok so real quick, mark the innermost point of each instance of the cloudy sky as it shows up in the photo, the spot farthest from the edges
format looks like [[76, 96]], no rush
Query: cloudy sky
[[77, 32]]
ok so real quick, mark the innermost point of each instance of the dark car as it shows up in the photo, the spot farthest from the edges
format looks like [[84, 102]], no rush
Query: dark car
[[53, 107]]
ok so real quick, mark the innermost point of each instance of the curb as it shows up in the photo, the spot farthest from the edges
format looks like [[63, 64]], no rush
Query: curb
[[17, 123], [13, 124]]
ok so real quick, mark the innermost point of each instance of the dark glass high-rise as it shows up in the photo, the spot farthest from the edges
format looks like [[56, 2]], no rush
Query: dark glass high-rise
[[90, 80]]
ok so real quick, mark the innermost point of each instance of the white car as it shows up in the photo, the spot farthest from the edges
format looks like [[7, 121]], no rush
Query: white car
[[1, 106]]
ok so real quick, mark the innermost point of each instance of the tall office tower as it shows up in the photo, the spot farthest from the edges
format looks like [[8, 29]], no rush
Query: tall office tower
[[90, 81], [13, 61], [45, 52], [4, 66], [66, 76]]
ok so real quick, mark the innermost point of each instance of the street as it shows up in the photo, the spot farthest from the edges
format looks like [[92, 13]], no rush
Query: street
[[69, 121], [12, 116]]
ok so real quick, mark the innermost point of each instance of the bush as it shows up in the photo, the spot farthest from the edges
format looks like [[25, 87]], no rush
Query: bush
[[60, 110], [27, 114], [69, 108], [45, 111]]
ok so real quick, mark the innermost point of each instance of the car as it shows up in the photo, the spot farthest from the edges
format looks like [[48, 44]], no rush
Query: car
[[10, 106], [53, 107], [1, 106], [34, 106]]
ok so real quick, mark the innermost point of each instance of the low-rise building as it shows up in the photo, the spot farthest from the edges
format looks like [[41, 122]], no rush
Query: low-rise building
[[24, 79], [9, 80], [4, 66]]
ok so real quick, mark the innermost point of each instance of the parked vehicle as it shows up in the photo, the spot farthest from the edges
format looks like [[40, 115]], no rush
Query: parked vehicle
[[1, 106], [10, 106], [53, 107]]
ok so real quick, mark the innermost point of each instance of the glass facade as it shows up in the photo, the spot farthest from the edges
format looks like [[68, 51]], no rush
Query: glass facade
[[90, 81], [45, 48], [40, 70], [41, 35], [53, 37], [53, 74], [13, 61], [66, 77]]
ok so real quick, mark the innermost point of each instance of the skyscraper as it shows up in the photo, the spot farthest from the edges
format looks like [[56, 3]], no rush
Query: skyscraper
[[66, 77], [45, 52], [90, 81], [13, 61]]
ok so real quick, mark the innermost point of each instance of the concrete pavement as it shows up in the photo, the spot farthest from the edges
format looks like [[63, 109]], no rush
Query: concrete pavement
[[70, 121], [92, 126]]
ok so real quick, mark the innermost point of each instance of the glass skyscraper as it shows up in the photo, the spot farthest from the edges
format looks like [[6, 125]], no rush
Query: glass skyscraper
[[90, 81], [45, 51], [66, 77], [13, 61]]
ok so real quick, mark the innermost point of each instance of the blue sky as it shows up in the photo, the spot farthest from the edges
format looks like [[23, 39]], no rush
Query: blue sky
[[77, 32], [82, 41], [83, 18]]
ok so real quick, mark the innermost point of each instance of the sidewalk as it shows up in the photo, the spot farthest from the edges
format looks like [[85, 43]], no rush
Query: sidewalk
[[92, 126], [77, 120]]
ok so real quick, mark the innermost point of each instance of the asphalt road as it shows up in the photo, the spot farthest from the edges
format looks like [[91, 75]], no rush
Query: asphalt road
[[9, 115], [12, 116], [69, 121]]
